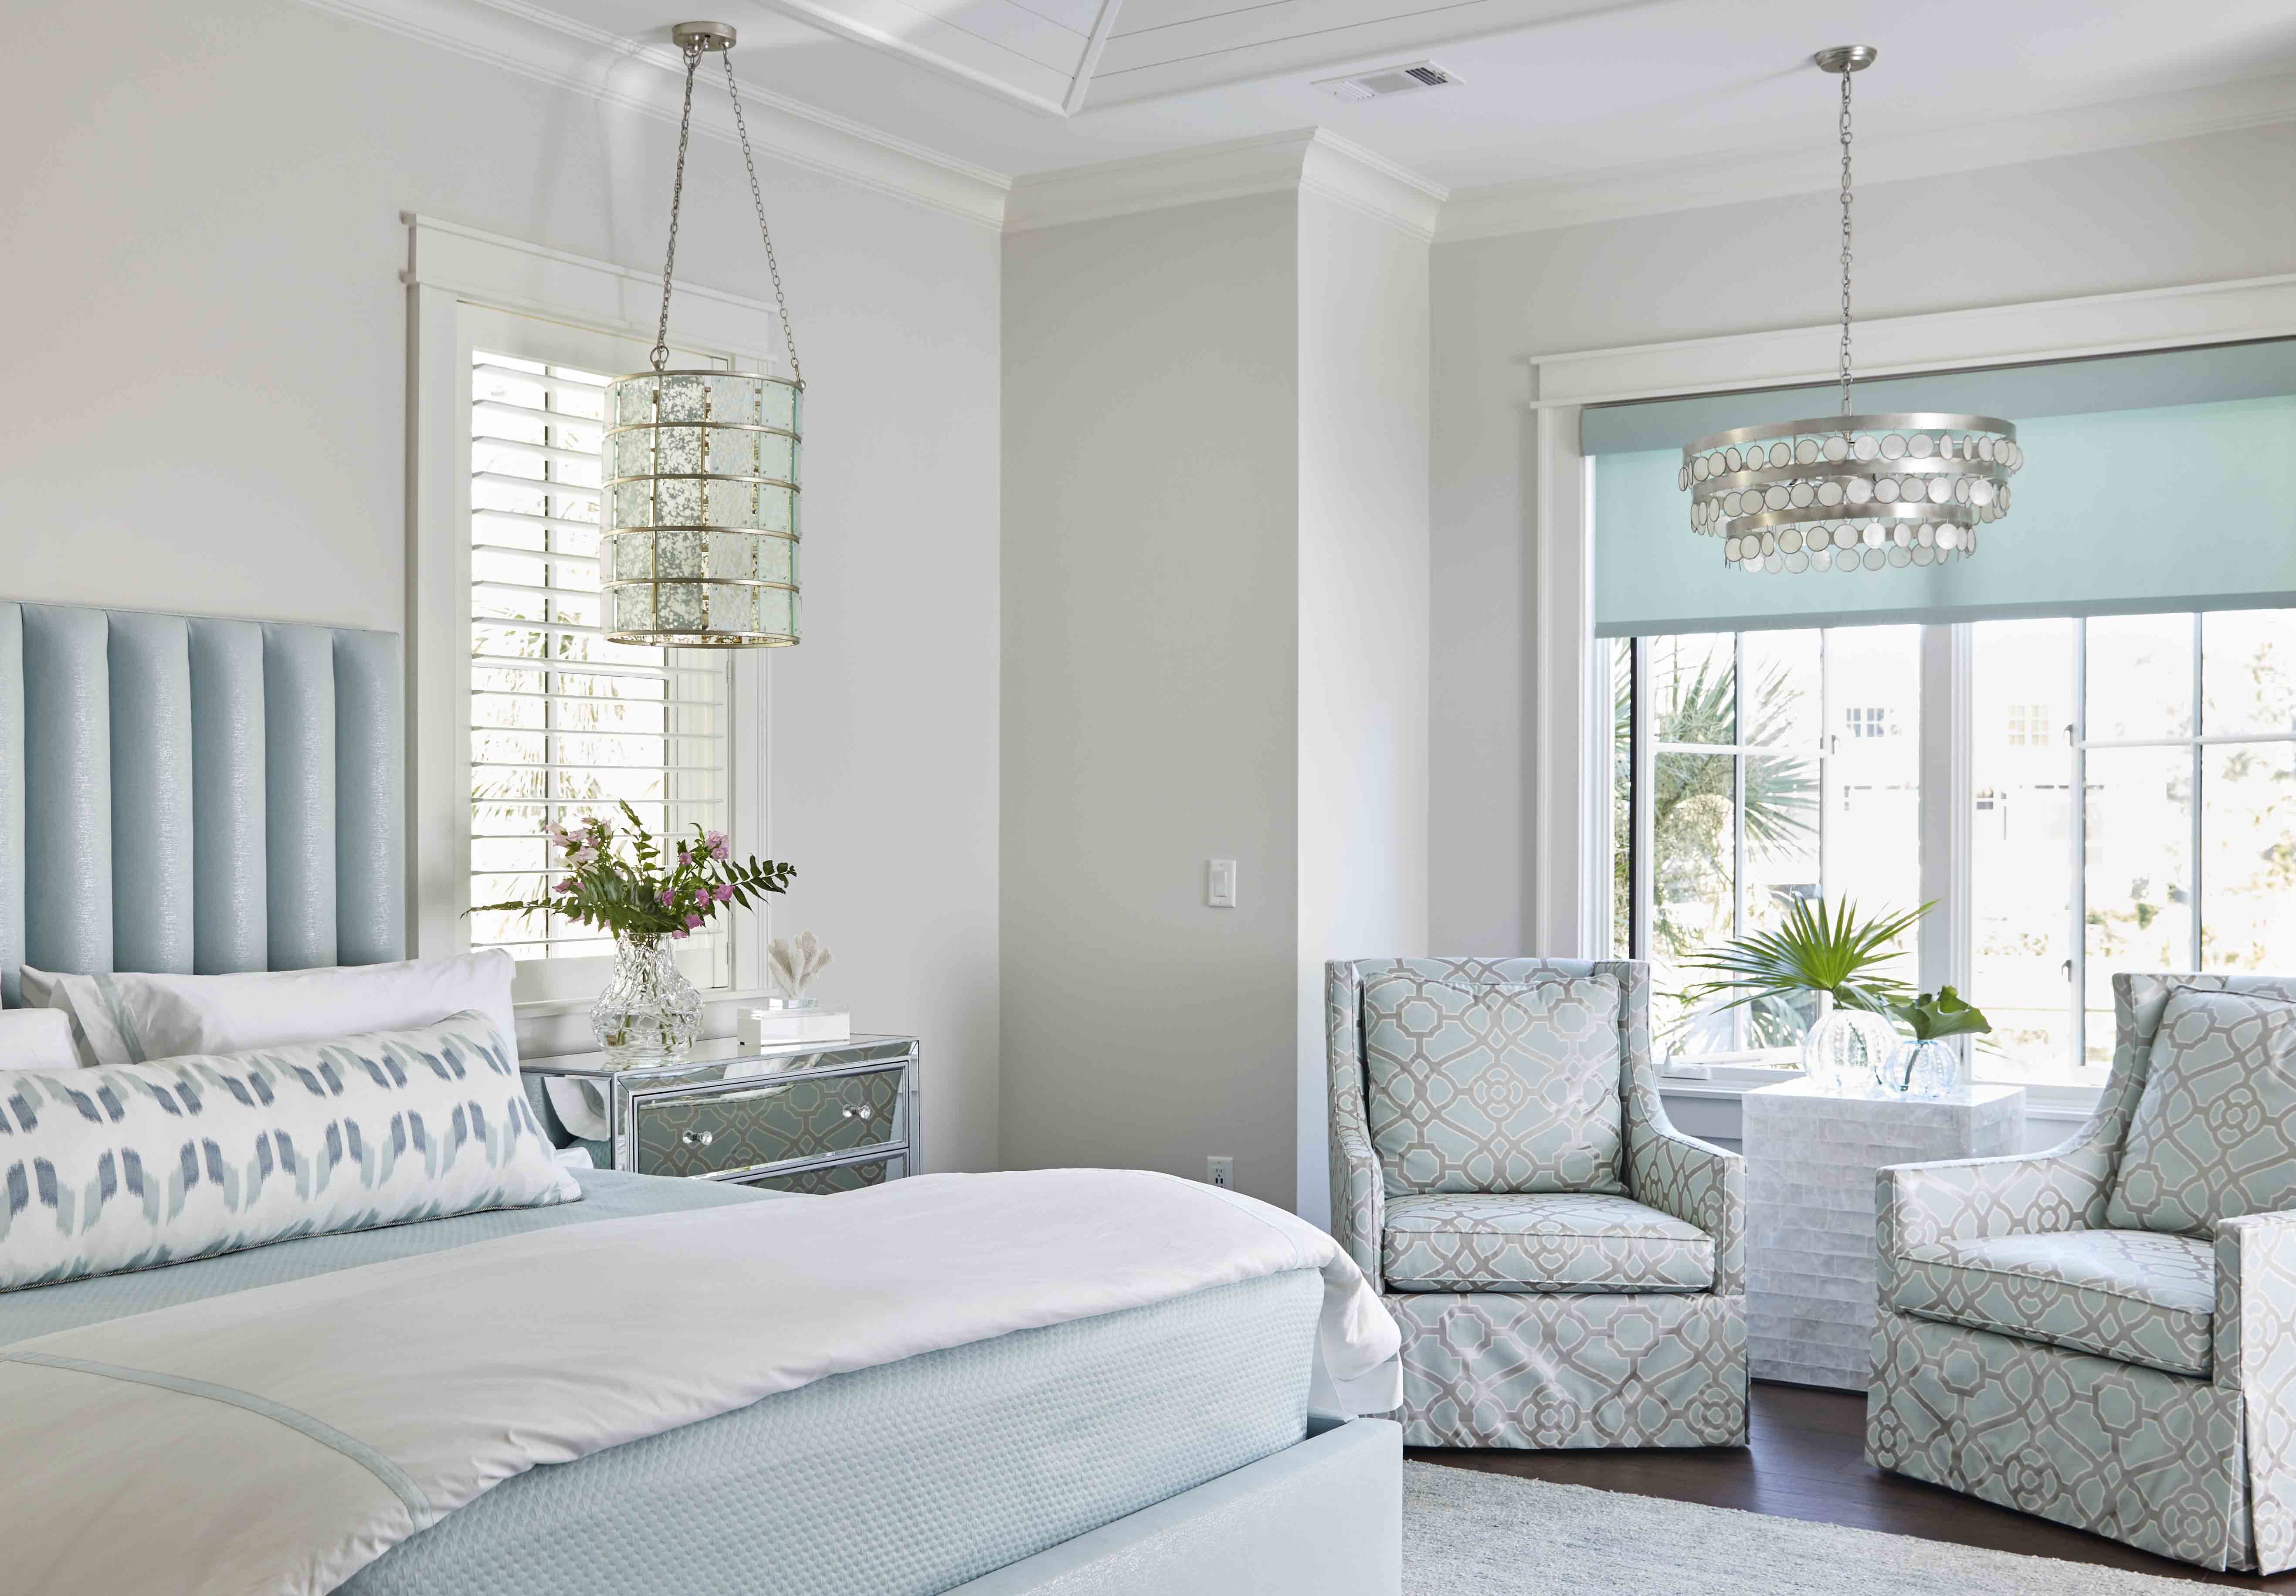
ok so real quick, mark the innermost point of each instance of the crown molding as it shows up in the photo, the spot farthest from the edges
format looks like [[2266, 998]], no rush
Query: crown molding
[[1369, 181], [1305, 159], [648, 78], [1731, 177]]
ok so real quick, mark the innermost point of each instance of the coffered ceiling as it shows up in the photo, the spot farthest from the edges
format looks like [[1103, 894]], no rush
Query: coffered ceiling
[[1568, 108]]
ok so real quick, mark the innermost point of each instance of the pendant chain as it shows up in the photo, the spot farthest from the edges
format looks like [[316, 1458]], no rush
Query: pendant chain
[[1845, 242], [661, 353], [789, 338]]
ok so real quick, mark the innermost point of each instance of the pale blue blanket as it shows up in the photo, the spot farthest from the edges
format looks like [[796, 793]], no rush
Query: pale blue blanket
[[909, 1477]]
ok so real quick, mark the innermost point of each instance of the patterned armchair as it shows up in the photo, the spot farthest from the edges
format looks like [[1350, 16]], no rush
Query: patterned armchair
[[2105, 1334], [1567, 1269]]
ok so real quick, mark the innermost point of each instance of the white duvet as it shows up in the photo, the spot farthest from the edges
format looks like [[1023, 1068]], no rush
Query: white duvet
[[279, 1440]]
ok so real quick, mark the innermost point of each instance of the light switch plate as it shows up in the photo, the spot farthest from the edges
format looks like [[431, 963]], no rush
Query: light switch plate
[[1219, 883]]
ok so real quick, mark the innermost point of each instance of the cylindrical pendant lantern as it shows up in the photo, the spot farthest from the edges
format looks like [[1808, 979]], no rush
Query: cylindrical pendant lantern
[[701, 509], [700, 522]]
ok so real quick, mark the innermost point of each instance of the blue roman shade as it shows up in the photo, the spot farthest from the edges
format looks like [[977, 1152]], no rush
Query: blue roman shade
[[2155, 481]]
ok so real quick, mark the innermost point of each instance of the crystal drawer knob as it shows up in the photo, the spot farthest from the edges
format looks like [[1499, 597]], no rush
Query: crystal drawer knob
[[860, 1111], [698, 1138]]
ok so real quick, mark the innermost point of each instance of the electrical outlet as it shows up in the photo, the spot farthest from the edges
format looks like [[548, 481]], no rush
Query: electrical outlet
[[1220, 1172]]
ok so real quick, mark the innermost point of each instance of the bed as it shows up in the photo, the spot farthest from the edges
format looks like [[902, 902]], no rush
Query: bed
[[230, 781]]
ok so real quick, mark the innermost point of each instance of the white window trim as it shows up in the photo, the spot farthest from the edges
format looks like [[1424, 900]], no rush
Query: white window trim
[[1569, 889], [450, 266]]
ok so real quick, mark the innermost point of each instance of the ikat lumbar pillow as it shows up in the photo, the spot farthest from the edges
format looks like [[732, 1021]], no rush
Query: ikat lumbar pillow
[[131, 1166]]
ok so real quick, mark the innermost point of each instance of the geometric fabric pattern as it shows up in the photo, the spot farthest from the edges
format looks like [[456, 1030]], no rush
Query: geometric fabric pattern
[[1541, 1241], [2198, 1468], [2138, 1296], [2154, 1461], [1489, 1369], [131, 1166], [1550, 1353], [2215, 1133], [1484, 1086]]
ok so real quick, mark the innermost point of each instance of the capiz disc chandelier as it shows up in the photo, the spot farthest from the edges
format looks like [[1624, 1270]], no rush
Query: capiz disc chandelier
[[701, 466], [1851, 492]]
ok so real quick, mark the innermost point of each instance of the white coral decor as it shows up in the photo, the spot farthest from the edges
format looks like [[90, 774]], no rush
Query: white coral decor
[[796, 964]]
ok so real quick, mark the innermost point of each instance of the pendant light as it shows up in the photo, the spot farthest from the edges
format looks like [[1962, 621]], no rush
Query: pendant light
[[701, 466], [1851, 492]]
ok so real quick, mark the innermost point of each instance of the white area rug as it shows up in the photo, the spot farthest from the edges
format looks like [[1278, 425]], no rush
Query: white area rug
[[1470, 1534]]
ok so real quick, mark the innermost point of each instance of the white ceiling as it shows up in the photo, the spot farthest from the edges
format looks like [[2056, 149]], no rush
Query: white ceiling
[[1701, 99]]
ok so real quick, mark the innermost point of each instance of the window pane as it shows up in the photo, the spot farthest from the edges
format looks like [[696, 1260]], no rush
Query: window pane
[[2139, 808], [2140, 676], [1785, 709], [2248, 856], [1785, 691], [2021, 844], [564, 722], [2248, 673], [1693, 688], [1693, 879], [1622, 787], [1874, 780], [1781, 865]]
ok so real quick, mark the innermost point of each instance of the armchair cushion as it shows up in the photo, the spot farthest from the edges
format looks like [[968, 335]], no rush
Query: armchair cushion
[[2214, 1134], [1480, 1087], [1541, 1241], [2139, 1297]]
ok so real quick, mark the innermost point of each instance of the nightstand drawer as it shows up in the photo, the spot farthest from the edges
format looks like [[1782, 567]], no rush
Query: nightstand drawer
[[835, 1177], [700, 1133]]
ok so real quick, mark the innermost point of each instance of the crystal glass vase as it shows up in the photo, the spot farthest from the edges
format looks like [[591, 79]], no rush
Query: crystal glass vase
[[1845, 1049], [1934, 1068], [649, 1013]]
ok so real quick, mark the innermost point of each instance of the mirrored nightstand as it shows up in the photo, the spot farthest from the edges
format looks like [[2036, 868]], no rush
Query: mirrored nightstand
[[807, 1117]]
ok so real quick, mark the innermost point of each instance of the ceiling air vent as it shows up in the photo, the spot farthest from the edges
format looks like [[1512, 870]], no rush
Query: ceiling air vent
[[1387, 80]]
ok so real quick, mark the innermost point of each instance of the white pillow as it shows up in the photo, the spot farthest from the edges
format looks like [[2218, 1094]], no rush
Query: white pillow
[[128, 1017], [36, 1039], [130, 1166]]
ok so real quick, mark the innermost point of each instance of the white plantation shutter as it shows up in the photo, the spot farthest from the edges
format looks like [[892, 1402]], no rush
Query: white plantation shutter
[[564, 723]]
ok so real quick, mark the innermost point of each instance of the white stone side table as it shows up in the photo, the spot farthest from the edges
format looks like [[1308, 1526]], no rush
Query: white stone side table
[[1811, 1156]]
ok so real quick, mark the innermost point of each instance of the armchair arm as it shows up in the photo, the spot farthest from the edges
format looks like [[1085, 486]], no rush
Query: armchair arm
[[1699, 1185], [2256, 1356], [1918, 1205], [2256, 1310], [1358, 1201], [1358, 1186]]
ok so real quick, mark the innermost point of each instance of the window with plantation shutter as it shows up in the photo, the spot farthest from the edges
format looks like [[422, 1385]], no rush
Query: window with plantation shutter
[[563, 723]]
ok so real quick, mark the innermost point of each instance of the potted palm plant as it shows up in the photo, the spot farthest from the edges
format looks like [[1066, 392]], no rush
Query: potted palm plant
[[1838, 955]]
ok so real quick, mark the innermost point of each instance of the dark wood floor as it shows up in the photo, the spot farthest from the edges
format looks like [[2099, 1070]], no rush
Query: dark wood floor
[[1806, 1461]]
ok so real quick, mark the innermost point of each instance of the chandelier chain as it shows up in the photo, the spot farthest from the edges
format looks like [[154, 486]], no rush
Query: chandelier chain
[[1845, 242], [796, 372], [661, 353]]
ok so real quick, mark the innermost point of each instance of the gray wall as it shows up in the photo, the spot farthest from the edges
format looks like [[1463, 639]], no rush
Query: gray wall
[[1216, 646]]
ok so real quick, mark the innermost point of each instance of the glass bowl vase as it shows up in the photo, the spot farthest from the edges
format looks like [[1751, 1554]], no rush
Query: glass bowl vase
[[1847, 1049]]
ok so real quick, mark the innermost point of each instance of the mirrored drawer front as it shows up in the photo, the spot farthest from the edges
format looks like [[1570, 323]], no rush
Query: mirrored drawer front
[[837, 1177], [705, 1132]]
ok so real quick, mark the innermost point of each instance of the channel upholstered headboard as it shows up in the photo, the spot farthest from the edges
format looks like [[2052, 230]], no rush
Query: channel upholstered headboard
[[200, 796]]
